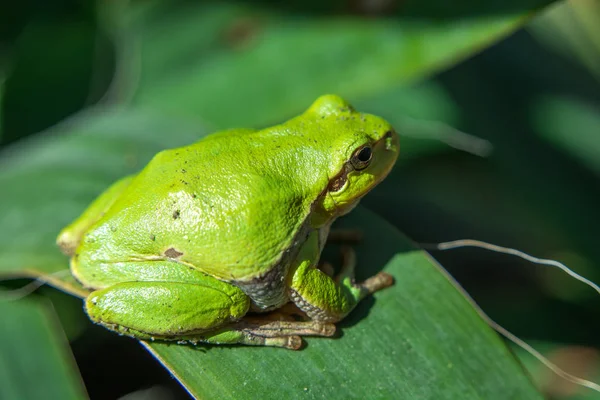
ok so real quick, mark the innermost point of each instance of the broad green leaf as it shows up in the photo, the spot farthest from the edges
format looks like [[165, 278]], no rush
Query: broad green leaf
[[35, 359], [419, 339], [253, 65]]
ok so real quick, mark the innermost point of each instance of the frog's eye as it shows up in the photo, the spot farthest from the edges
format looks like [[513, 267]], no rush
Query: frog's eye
[[362, 157]]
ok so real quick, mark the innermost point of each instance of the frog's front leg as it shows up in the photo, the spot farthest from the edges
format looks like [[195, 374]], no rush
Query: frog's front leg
[[207, 311], [328, 299]]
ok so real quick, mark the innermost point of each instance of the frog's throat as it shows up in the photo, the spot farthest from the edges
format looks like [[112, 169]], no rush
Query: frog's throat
[[270, 290]]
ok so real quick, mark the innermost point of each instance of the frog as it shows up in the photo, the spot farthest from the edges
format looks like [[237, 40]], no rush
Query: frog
[[207, 240]]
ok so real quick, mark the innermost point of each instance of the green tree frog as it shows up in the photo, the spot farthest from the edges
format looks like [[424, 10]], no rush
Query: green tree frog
[[233, 224]]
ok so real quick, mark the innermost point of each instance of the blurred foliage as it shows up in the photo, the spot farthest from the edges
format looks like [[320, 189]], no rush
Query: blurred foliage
[[57, 58], [578, 360], [34, 361], [186, 69], [571, 28]]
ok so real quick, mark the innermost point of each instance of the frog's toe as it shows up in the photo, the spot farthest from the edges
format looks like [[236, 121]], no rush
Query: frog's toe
[[380, 281], [288, 342]]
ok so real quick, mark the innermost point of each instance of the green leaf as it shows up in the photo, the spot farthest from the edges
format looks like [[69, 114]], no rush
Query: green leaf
[[572, 28], [252, 65], [416, 340], [419, 339], [35, 359]]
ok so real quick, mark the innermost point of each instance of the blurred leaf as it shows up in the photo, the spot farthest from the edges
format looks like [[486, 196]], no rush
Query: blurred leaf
[[59, 62], [405, 344], [2, 78], [249, 66], [68, 311], [580, 361], [35, 359], [421, 114], [412, 110], [572, 126], [572, 28]]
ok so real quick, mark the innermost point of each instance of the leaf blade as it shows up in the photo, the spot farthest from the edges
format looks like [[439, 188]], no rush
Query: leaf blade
[[408, 343], [33, 348]]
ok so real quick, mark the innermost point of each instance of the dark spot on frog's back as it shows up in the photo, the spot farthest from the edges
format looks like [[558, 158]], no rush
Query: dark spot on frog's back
[[172, 253], [176, 214]]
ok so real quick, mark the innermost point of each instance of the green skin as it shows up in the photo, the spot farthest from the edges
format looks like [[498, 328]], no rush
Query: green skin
[[234, 223]]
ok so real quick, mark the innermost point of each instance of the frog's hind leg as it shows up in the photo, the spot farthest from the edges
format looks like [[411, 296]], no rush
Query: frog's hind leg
[[191, 307], [166, 309]]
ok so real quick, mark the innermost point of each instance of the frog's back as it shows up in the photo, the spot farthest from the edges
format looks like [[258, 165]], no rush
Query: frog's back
[[221, 206]]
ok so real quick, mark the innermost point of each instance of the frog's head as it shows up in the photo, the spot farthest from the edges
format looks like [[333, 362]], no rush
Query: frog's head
[[361, 150]]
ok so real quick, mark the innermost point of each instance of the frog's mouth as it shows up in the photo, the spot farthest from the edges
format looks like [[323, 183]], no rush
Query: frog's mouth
[[347, 188]]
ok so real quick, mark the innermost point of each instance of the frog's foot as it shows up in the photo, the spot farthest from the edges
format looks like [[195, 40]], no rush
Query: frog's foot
[[263, 332], [293, 342], [273, 329], [352, 236]]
